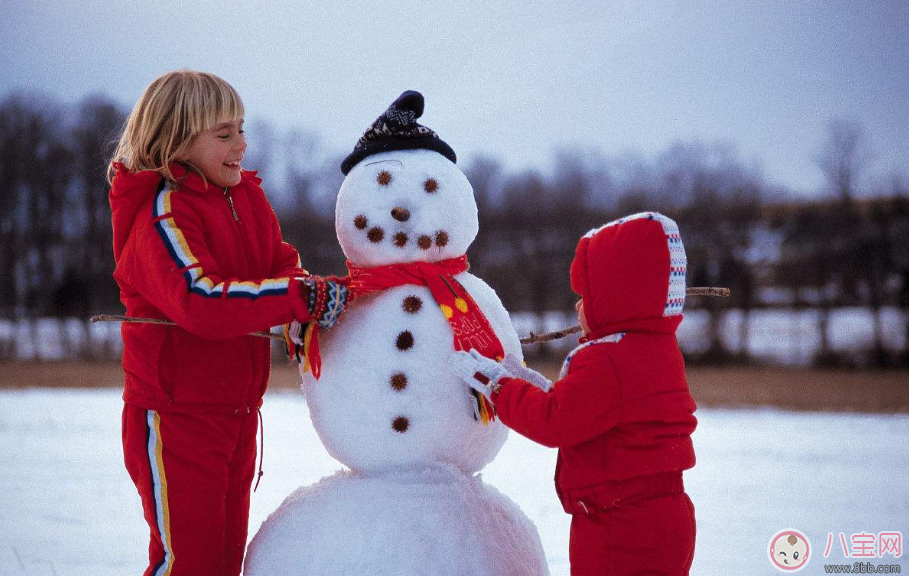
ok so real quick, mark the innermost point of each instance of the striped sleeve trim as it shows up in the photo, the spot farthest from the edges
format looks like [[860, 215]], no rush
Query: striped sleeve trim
[[197, 280]]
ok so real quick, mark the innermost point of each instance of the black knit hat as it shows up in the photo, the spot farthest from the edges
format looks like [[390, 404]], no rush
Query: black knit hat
[[397, 129]]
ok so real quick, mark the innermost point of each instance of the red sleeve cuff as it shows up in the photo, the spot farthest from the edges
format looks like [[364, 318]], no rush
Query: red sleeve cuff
[[299, 295], [502, 383]]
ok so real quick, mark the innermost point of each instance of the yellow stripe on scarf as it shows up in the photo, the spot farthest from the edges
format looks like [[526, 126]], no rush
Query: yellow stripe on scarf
[[484, 410], [307, 341]]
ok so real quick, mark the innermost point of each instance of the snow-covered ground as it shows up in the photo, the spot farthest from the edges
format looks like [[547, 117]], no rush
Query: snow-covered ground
[[67, 505]]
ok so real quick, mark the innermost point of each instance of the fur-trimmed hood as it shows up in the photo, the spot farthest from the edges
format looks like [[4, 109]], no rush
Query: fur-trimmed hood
[[631, 275]]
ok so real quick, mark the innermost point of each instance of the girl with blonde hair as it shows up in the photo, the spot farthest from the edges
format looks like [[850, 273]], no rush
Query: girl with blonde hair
[[197, 243]]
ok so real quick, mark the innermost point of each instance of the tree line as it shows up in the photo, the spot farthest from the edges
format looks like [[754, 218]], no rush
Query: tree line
[[846, 249]]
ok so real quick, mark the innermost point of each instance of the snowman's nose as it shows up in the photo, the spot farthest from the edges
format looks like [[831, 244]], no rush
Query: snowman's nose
[[400, 214]]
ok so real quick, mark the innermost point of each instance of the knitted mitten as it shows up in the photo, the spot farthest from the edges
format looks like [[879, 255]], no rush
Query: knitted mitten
[[328, 299]]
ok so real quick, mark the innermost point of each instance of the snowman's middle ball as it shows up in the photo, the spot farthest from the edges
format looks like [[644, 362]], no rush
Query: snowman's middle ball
[[405, 206], [386, 398]]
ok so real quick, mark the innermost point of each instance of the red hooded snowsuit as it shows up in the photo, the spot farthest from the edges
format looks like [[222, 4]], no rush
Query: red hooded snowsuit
[[621, 415], [219, 270]]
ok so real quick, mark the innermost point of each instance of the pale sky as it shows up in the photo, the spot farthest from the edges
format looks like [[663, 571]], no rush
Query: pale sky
[[513, 80]]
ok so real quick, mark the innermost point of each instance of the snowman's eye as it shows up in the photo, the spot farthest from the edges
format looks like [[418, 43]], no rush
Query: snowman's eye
[[795, 556], [430, 185], [384, 178]]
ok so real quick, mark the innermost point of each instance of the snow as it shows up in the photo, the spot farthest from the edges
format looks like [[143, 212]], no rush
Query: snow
[[778, 336], [435, 521], [69, 506]]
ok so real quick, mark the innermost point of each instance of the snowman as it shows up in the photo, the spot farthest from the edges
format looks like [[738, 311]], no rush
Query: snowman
[[384, 403]]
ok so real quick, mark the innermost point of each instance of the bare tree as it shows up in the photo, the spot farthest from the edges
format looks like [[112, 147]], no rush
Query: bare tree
[[843, 157], [92, 139]]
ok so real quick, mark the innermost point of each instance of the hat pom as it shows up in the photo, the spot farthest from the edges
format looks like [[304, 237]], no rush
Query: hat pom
[[409, 101]]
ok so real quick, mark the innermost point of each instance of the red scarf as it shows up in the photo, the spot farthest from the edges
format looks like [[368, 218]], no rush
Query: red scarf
[[469, 325]]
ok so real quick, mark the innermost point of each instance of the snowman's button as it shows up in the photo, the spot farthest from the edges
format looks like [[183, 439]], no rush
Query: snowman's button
[[400, 239], [398, 381], [383, 178], [360, 222], [412, 304], [400, 424], [424, 242], [404, 341], [441, 238], [430, 185], [375, 234]]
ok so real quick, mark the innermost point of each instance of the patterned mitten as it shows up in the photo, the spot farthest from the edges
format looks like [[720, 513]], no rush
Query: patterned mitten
[[328, 299]]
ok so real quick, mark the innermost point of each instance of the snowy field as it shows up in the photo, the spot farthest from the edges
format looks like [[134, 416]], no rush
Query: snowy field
[[780, 336], [68, 507]]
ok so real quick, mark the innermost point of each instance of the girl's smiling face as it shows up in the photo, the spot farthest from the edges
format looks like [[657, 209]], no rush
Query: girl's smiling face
[[217, 153]]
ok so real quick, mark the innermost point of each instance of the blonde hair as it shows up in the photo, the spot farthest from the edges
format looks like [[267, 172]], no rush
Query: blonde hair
[[174, 108]]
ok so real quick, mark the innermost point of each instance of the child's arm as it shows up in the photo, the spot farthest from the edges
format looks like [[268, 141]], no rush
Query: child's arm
[[173, 269], [579, 407]]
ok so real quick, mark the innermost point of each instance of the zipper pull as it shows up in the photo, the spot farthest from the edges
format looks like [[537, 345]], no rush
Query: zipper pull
[[230, 201]]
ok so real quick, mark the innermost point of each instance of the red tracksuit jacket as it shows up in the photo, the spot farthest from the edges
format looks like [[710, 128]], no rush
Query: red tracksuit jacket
[[623, 410], [219, 271]]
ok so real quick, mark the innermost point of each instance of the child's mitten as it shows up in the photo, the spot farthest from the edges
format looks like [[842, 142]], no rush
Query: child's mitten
[[328, 299], [514, 366], [477, 371]]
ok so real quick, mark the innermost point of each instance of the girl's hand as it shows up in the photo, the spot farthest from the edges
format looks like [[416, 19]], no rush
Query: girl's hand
[[327, 299]]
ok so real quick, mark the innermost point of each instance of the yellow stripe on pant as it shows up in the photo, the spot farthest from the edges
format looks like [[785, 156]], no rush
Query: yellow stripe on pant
[[159, 491]]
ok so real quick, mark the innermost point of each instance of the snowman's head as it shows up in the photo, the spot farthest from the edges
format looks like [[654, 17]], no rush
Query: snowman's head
[[403, 199], [405, 206]]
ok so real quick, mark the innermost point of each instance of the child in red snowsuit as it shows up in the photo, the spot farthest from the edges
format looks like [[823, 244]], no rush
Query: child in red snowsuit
[[197, 243], [621, 413]]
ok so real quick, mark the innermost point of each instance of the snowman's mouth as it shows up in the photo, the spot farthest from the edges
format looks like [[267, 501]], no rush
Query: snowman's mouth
[[401, 238]]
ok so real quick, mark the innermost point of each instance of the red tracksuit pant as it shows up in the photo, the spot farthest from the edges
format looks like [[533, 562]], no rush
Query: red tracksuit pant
[[652, 537], [193, 473]]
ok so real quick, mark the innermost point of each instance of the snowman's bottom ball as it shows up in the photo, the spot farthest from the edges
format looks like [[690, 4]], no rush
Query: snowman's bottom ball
[[434, 521]]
